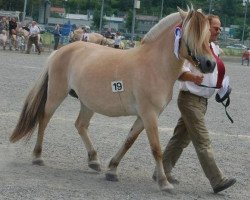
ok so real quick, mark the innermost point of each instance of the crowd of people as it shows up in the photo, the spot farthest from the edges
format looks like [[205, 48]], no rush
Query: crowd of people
[[18, 36]]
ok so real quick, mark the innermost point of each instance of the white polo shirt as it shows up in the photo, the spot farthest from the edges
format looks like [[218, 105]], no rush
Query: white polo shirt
[[34, 31]]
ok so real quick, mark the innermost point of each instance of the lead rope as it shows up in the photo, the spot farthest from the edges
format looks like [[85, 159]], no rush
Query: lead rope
[[222, 102]]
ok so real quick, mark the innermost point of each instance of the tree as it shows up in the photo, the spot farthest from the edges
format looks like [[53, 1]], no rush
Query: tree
[[96, 19], [129, 20]]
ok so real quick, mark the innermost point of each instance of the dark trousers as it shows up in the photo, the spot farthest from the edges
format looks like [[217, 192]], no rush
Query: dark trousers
[[33, 40], [56, 39], [245, 59]]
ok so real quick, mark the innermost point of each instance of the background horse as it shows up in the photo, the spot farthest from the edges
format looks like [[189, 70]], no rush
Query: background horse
[[138, 81], [96, 38]]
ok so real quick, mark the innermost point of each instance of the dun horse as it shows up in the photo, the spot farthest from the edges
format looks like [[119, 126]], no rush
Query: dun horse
[[96, 38], [113, 82], [92, 37]]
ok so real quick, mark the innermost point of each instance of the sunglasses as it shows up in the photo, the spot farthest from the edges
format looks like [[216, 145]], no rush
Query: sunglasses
[[217, 29]]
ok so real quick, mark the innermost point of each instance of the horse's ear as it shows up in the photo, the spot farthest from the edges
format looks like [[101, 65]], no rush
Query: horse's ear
[[182, 13]]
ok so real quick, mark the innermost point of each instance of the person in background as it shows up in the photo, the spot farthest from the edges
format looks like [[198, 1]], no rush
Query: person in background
[[33, 37], [12, 33], [57, 34], [108, 34], [191, 127], [118, 40], [4, 27], [246, 57]]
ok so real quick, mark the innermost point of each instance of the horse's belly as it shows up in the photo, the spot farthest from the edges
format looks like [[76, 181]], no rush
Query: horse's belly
[[112, 106], [99, 97]]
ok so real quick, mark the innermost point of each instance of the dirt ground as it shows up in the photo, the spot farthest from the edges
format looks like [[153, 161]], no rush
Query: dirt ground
[[66, 174]]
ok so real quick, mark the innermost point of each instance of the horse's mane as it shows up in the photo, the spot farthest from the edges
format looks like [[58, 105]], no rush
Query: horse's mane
[[164, 23], [196, 31]]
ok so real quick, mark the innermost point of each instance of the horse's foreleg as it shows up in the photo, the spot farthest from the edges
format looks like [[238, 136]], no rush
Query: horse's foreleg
[[151, 126], [136, 129], [82, 124]]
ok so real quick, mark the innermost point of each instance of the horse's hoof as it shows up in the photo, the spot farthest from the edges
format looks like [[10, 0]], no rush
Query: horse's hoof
[[111, 177], [167, 188], [38, 161], [95, 166]]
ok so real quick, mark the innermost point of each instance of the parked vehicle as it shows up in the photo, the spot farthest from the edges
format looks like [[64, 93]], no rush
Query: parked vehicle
[[236, 46]]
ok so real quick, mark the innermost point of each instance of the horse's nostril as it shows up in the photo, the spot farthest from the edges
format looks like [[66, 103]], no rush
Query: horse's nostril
[[209, 64]]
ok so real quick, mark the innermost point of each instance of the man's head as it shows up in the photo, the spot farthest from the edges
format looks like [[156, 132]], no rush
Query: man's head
[[33, 23], [215, 27]]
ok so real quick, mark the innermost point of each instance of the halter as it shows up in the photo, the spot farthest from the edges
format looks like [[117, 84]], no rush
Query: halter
[[178, 34], [197, 63]]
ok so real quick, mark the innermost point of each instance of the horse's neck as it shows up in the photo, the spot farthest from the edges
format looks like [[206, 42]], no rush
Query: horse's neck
[[162, 48]]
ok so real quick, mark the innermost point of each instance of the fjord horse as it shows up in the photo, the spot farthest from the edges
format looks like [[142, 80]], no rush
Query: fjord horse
[[113, 82], [96, 38]]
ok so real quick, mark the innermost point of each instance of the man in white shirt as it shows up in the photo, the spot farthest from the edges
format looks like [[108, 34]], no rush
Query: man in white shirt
[[33, 37], [118, 40], [192, 103]]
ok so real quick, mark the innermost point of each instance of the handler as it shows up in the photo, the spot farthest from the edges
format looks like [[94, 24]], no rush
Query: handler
[[192, 103]]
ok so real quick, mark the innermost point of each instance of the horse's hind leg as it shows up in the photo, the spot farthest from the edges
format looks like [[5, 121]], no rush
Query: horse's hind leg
[[82, 124], [52, 103], [111, 174]]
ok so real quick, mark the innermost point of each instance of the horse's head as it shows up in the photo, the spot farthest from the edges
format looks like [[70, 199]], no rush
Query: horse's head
[[76, 35], [194, 44]]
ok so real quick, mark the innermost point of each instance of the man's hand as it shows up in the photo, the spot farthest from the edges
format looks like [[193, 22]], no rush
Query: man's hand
[[198, 79]]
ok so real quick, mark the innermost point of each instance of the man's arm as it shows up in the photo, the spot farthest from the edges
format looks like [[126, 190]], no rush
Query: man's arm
[[188, 76]]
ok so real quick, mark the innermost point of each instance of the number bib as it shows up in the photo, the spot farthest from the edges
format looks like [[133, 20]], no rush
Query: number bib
[[117, 86]]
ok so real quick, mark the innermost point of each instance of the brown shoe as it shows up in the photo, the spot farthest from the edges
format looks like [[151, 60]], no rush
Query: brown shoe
[[224, 185]]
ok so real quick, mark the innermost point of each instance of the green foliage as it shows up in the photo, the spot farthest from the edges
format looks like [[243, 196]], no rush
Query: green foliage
[[230, 11], [96, 19]]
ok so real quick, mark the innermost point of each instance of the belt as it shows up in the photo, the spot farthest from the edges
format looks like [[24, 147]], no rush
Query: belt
[[199, 98]]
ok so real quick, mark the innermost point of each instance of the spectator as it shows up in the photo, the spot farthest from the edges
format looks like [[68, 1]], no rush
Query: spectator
[[108, 34], [4, 27], [245, 57], [118, 40], [33, 37], [12, 33], [57, 34]]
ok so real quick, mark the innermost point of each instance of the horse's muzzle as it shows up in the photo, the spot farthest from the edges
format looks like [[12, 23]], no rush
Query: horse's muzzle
[[206, 66]]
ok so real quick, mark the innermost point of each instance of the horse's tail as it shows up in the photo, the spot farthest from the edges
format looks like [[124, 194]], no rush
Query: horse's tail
[[33, 109]]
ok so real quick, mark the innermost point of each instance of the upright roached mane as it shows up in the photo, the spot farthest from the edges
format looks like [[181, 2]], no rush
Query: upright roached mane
[[164, 23], [113, 82]]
